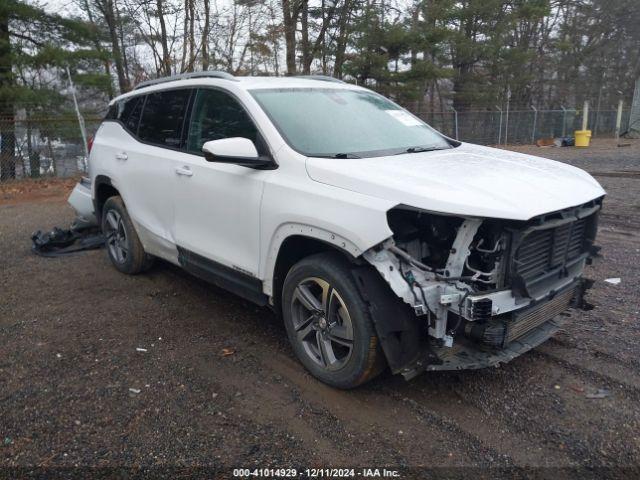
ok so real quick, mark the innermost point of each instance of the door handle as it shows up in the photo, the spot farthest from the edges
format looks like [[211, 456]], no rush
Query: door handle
[[122, 156], [186, 171]]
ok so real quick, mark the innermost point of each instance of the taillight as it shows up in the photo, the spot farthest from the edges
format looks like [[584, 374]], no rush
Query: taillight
[[89, 144]]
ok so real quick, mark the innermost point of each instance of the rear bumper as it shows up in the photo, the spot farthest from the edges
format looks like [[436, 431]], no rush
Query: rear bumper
[[81, 201]]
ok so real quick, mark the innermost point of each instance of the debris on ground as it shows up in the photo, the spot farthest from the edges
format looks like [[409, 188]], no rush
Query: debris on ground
[[545, 142], [613, 281], [135, 390], [58, 242], [598, 394], [139, 349], [227, 352]]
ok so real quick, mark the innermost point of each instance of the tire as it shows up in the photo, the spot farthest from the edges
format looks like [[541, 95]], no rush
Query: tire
[[333, 338], [123, 245]]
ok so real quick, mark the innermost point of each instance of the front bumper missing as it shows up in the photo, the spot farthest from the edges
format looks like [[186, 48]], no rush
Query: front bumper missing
[[467, 355], [410, 347]]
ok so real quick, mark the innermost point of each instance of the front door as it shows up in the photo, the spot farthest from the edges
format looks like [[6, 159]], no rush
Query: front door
[[217, 206]]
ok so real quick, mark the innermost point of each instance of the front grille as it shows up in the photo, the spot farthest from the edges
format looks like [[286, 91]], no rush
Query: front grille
[[542, 252], [533, 317]]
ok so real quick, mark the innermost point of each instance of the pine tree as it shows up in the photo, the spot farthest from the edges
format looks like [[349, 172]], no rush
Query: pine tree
[[31, 41]]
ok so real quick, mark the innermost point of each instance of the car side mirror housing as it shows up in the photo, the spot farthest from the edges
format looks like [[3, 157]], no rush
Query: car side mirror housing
[[237, 151]]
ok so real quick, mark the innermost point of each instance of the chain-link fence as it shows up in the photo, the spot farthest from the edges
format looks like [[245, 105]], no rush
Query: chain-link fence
[[52, 144], [495, 127], [43, 145]]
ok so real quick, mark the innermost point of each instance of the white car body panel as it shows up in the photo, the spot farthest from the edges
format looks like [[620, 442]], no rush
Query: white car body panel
[[469, 180], [217, 211], [294, 204]]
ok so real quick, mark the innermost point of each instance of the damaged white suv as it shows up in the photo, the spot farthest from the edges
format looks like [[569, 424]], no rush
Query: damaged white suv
[[379, 240]]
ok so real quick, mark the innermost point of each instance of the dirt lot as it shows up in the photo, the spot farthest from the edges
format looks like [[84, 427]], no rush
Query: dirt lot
[[219, 387]]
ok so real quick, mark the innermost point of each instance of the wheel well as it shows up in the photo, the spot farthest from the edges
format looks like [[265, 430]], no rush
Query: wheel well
[[103, 192], [292, 250]]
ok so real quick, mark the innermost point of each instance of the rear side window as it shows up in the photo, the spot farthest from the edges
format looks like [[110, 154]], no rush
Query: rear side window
[[112, 113], [163, 117], [218, 115], [130, 113]]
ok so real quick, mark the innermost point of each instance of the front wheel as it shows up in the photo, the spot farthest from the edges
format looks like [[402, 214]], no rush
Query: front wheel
[[328, 322]]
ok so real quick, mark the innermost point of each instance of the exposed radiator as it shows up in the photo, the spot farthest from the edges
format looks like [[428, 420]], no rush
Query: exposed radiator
[[527, 320]]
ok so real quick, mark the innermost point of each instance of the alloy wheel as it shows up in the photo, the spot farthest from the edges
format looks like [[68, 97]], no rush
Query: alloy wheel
[[322, 323], [116, 235]]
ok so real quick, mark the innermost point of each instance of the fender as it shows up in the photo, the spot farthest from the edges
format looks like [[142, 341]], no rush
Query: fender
[[287, 230]]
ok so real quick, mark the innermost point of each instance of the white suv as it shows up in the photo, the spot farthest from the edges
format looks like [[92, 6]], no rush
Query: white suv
[[379, 240]]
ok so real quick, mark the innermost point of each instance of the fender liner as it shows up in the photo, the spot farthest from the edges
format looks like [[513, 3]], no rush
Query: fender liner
[[402, 335], [97, 183]]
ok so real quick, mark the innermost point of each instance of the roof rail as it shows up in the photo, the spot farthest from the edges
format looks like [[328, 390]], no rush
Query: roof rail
[[324, 78], [187, 76]]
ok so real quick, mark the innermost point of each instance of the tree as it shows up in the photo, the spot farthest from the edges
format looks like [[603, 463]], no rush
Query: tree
[[31, 41]]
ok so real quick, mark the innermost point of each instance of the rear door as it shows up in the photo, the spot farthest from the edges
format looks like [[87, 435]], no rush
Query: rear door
[[148, 167]]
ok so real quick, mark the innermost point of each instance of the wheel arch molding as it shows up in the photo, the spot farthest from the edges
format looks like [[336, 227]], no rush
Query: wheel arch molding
[[294, 241]]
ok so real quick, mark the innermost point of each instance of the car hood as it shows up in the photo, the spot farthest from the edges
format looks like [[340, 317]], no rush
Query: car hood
[[469, 180]]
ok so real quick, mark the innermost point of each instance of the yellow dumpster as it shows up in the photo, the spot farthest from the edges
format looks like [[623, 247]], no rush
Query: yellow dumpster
[[583, 137]]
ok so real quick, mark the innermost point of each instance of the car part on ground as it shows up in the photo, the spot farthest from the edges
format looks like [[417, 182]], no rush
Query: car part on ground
[[58, 242]]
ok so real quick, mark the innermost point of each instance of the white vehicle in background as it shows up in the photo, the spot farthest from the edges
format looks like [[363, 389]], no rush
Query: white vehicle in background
[[379, 240]]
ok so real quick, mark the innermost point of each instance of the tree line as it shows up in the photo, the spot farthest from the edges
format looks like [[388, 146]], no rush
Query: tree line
[[431, 55]]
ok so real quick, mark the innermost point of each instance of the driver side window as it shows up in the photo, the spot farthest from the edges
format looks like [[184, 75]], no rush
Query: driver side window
[[218, 115]]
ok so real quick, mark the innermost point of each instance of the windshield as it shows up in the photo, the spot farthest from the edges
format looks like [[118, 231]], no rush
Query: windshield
[[342, 123]]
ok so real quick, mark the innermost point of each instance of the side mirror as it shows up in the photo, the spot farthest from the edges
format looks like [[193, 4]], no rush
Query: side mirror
[[237, 151]]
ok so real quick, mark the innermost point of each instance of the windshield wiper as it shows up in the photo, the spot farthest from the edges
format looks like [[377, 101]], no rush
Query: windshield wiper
[[421, 149], [337, 155]]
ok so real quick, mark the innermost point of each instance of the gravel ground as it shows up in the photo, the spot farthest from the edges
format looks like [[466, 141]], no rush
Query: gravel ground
[[217, 385]]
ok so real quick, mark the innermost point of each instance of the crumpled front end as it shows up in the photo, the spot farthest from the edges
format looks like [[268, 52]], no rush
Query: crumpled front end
[[472, 292]]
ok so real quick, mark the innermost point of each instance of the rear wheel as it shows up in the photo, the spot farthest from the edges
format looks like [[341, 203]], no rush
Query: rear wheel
[[123, 245], [328, 322]]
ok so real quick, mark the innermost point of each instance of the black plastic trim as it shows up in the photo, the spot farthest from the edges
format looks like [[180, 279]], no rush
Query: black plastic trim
[[239, 283], [402, 335]]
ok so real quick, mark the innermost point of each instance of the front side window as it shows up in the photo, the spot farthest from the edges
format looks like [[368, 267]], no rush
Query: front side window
[[163, 117], [339, 123], [218, 115]]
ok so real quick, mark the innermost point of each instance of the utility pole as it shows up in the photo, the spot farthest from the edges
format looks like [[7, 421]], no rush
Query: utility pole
[[80, 120], [619, 119], [500, 126], [506, 126]]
